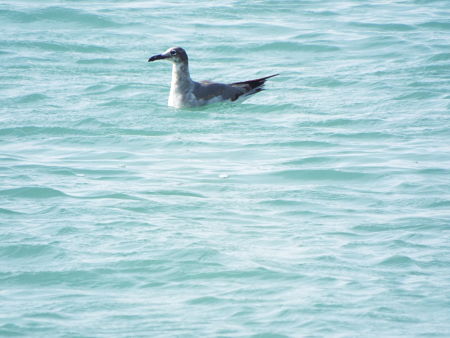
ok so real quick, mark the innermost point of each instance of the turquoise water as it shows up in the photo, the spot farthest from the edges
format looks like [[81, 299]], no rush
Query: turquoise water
[[319, 207]]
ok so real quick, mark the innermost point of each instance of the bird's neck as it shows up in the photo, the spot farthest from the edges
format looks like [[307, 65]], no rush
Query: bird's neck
[[181, 86], [181, 79]]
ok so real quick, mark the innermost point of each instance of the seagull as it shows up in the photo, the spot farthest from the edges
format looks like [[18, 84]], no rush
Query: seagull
[[185, 93]]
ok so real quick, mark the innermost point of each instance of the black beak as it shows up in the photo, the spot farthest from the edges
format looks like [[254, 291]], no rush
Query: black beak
[[157, 57]]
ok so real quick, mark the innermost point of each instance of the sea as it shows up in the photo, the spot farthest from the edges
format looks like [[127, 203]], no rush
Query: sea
[[319, 207]]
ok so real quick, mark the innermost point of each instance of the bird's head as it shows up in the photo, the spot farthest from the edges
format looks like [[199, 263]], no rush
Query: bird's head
[[174, 54]]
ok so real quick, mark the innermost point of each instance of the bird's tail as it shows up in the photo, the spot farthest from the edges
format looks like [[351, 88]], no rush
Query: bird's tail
[[252, 86]]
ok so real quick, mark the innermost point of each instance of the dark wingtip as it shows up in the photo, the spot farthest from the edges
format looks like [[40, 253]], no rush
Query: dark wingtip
[[265, 77], [254, 83], [268, 77]]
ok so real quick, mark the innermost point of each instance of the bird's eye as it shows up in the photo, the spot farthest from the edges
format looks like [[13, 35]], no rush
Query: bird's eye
[[173, 52]]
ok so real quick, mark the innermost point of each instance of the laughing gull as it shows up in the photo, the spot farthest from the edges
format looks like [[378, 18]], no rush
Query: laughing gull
[[184, 92]]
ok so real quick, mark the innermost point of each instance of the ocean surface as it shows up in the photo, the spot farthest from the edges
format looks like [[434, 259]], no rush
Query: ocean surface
[[319, 207]]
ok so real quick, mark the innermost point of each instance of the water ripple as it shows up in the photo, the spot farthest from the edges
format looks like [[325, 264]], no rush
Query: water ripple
[[318, 207], [32, 192], [59, 14]]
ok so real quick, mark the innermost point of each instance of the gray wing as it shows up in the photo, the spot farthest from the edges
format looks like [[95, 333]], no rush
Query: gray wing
[[206, 90]]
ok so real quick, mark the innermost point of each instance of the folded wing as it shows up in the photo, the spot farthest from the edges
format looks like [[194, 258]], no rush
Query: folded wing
[[216, 92]]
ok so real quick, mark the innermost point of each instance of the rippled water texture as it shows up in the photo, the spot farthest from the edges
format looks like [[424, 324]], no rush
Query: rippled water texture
[[319, 207]]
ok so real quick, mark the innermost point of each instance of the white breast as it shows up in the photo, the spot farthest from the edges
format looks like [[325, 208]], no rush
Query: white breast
[[181, 98]]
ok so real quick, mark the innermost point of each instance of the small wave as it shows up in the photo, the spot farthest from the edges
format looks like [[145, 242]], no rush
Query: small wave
[[47, 316], [395, 27], [439, 204], [112, 103], [175, 193], [4, 211], [46, 169], [15, 158], [377, 43], [311, 160], [341, 122], [30, 98], [103, 61], [434, 171], [16, 16], [35, 130], [418, 95], [120, 196], [59, 14], [103, 172], [364, 135], [440, 70], [397, 261], [47, 278], [142, 132], [56, 46], [322, 174], [299, 144], [92, 122], [436, 25], [119, 88], [206, 300], [297, 46], [11, 330], [328, 82], [440, 57], [32, 192], [96, 88], [15, 251], [281, 203], [259, 273], [324, 13]]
